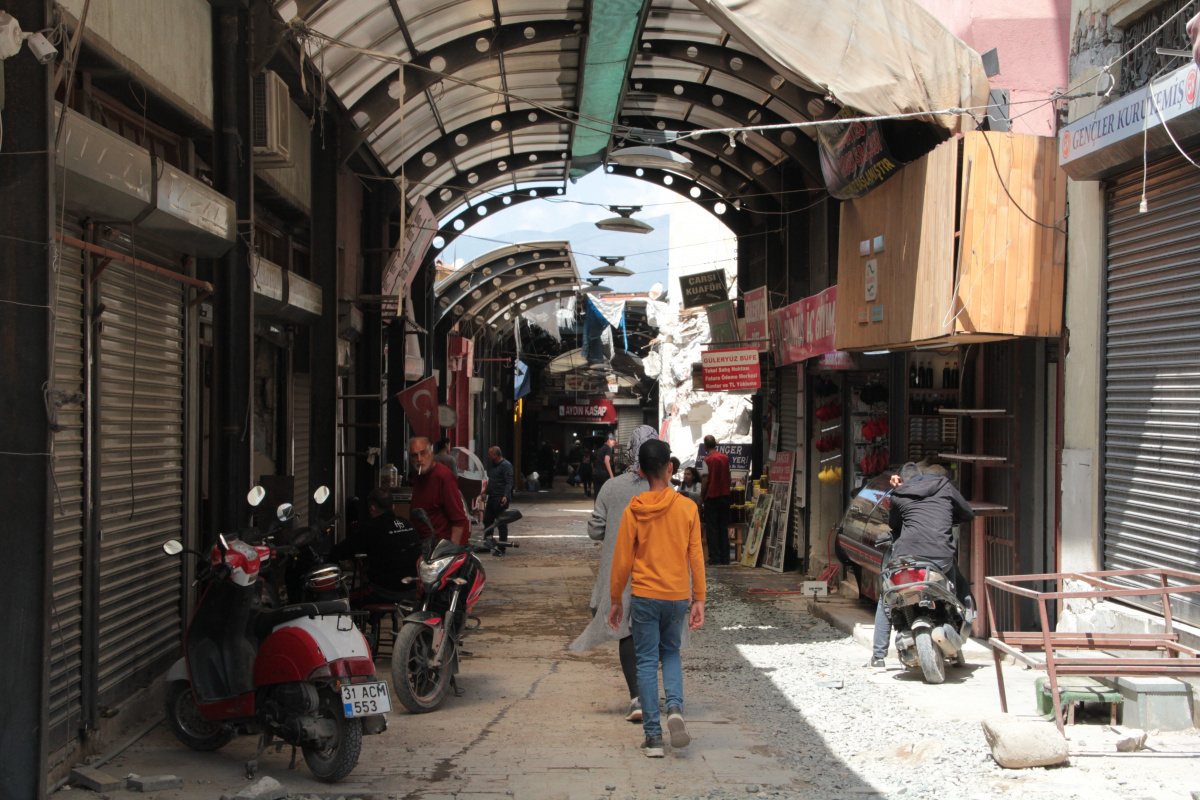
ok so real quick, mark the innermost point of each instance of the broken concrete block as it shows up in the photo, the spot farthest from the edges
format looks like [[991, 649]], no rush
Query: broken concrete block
[[1019, 744], [830, 684], [94, 779], [262, 789], [1131, 740], [153, 783]]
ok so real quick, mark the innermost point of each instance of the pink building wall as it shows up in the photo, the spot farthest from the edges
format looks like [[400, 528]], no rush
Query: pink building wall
[[1032, 38]]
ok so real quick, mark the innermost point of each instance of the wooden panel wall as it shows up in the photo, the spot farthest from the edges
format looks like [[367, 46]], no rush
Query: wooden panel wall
[[1012, 267], [914, 212]]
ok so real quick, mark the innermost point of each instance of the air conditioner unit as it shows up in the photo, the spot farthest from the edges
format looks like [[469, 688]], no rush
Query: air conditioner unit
[[271, 126]]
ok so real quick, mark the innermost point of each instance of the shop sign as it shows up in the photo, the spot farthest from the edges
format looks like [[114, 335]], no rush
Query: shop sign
[[783, 466], [805, 328], [418, 234], [722, 323], [739, 456], [837, 359], [1163, 100], [575, 382], [593, 412], [730, 370], [757, 326], [854, 157], [703, 288]]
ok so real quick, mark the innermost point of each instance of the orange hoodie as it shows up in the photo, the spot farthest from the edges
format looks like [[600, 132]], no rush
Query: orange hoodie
[[659, 537]]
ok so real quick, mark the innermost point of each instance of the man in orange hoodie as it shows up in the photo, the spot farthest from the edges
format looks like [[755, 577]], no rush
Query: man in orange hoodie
[[659, 544]]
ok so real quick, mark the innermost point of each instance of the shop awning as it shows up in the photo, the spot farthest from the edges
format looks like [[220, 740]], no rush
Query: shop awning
[[877, 56]]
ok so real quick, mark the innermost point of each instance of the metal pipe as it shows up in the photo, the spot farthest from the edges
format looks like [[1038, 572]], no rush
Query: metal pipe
[[104, 252]]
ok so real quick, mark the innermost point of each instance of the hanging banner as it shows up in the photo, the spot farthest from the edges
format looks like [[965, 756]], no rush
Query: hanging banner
[[730, 370], [703, 288], [757, 324], [854, 156], [805, 328], [593, 412], [722, 323], [420, 405], [402, 268]]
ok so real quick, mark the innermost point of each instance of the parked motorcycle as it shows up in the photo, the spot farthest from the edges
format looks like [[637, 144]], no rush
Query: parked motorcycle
[[302, 673], [425, 655]]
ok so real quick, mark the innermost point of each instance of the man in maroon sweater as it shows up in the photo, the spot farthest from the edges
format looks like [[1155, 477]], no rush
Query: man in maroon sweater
[[435, 491]]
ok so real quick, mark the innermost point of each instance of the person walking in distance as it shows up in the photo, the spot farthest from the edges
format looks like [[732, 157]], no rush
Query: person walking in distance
[[435, 491], [658, 549], [499, 491], [586, 473], [715, 491], [603, 463]]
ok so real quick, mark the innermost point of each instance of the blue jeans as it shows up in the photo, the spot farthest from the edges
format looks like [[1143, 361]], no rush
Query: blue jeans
[[883, 625], [657, 631]]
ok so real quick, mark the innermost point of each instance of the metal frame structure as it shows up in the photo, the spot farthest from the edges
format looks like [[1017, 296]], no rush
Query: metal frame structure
[[1172, 659]]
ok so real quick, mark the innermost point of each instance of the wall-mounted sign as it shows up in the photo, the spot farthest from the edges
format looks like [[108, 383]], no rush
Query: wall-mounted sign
[[592, 412], [577, 382], [739, 457], [854, 157], [703, 288], [757, 325], [805, 328], [730, 370], [872, 279], [837, 359], [722, 323], [783, 466]]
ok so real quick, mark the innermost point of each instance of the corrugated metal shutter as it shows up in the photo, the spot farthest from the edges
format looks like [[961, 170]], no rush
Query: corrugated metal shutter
[[628, 419], [1152, 387], [301, 427], [141, 476], [66, 621], [789, 389]]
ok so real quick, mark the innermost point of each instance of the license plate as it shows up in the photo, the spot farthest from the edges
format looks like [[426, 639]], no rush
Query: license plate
[[366, 699]]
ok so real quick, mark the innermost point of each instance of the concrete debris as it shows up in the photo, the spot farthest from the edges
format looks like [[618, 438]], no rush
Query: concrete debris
[[1019, 744], [1131, 740], [266, 788], [94, 779], [830, 684], [152, 783]]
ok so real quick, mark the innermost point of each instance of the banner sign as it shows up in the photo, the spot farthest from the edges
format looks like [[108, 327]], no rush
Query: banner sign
[[703, 288], [420, 229], [739, 456], [420, 404], [576, 382], [722, 323], [854, 156], [730, 370], [591, 412], [783, 466], [757, 325], [805, 328]]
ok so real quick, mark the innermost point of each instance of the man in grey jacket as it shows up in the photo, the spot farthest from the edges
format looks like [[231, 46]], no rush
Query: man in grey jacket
[[605, 521]]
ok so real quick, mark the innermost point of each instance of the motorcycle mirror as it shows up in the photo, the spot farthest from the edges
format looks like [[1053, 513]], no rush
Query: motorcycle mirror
[[419, 515], [222, 544], [321, 495], [285, 512], [173, 547], [256, 495]]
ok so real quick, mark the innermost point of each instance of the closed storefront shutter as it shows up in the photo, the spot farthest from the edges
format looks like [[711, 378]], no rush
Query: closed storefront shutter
[[789, 387], [1152, 386], [628, 419], [301, 426], [66, 621], [141, 357]]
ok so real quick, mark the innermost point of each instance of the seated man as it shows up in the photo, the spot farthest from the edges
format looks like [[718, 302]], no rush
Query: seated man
[[391, 545]]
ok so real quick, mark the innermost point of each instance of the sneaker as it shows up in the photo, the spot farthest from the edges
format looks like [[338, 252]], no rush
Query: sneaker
[[652, 747], [875, 663], [635, 710], [675, 724]]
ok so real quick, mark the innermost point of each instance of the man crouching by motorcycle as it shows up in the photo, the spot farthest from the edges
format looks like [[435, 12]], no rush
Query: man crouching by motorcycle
[[391, 545], [924, 510]]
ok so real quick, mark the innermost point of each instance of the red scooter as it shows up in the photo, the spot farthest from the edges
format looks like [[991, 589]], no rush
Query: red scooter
[[302, 673]]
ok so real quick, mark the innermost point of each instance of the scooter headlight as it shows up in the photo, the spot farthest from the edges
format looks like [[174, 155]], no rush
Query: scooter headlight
[[428, 571]]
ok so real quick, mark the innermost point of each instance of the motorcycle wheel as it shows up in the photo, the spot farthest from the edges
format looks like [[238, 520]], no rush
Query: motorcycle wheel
[[340, 756], [420, 687], [189, 725], [960, 660], [933, 665]]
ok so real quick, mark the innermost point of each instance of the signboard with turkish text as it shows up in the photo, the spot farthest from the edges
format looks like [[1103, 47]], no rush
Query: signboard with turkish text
[[703, 288], [854, 156], [783, 466], [739, 457], [805, 328], [419, 231], [576, 382], [730, 370], [420, 404], [591, 412], [758, 330]]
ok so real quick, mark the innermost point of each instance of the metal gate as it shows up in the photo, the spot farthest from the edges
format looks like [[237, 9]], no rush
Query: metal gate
[[301, 429], [65, 707], [1152, 375], [141, 360], [791, 406], [628, 419], [997, 388]]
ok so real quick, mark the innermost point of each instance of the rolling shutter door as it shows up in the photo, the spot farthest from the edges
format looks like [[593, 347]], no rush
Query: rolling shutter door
[[1152, 381], [65, 707], [301, 428], [789, 387], [628, 419], [141, 476]]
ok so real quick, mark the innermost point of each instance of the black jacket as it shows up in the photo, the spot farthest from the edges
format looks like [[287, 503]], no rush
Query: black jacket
[[392, 547], [924, 511]]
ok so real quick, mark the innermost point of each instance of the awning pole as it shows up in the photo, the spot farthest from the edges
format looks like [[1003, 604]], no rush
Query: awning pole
[[104, 252]]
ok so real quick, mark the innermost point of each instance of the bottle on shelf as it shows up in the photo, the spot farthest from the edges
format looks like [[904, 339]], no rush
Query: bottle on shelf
[[954, 375], [928, 374], [913, 383], [946, 379], [391, 477]]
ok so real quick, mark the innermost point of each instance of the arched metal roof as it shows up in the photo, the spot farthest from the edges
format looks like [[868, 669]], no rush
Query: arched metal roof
[[489, 287]]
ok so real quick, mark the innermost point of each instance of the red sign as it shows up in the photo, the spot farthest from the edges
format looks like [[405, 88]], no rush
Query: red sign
[[726, 370], [805, 328], [420, 403], [592, 412], [782, 466], [757, 321]]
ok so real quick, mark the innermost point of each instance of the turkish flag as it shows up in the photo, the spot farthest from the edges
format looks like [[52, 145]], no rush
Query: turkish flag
[[420, 403]]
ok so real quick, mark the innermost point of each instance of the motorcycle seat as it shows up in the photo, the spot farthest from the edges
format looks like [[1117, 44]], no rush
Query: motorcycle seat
[[268, 620]]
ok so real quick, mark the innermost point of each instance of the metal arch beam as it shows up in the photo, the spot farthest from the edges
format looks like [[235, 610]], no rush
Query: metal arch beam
[[521, 289], [498, 268], [446, 148], [503, 326], [738, 221], [486, 172], [448, 233], [753, 71], [740, 112], [701, 173], [565, 292]]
